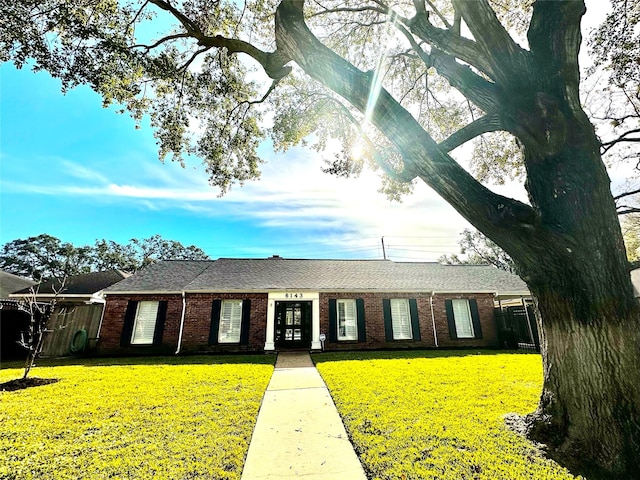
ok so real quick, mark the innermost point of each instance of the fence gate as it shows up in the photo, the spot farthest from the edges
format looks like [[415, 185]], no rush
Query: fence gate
[[517, 328]]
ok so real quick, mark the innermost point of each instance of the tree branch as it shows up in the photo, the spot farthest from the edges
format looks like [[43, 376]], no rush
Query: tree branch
[[482, 93], [606, 146], [450, 43], [495, 43], [626, 194], [486, 124], [272, 62], [554, 38], [168, 38], [418, 149]]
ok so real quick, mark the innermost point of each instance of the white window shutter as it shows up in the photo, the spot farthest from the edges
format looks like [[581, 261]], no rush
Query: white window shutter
[[462, 317], [230, 321], [401, 319], [145, 323], [347, 320]]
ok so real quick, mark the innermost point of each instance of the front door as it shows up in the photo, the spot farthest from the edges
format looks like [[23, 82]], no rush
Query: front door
[[293, 325]]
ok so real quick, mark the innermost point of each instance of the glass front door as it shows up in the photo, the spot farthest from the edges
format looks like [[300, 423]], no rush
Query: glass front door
[[293, 325]]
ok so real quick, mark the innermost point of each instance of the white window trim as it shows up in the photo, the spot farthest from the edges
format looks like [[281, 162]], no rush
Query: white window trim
[[353, 320], [401, 324], [462, 318], [144, 325], [232, 333]]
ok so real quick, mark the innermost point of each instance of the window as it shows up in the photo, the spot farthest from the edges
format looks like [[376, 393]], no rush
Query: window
[[230, 321], [347, 320], [144, 324], [462, 318], [401, 319]]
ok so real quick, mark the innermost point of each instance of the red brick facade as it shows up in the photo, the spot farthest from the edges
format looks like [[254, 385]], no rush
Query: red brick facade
[[197, 323]]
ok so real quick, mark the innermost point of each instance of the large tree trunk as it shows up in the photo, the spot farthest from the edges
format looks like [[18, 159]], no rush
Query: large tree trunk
[[589, 411]]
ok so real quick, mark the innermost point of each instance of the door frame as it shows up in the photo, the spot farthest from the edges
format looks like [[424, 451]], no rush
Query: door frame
[[290, 296], [304, 307]]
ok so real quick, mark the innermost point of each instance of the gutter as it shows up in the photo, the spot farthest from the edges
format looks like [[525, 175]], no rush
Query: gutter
[[433, 319], [184, 309]]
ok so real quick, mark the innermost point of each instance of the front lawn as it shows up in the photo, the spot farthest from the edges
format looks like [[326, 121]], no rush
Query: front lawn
[[438, 415], [177, 418]]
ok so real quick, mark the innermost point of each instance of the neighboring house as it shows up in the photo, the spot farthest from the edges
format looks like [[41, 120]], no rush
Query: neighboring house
[[12, 320], [235, 305], [78, 311]]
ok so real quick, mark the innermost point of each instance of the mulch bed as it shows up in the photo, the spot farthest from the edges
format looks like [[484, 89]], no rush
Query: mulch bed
[[22, 383]]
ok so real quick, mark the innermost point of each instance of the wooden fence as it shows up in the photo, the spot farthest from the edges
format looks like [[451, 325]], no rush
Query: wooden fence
[[65, 322]]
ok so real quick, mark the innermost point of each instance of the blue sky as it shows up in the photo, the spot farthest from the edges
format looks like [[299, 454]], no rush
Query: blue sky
[[79, 172]]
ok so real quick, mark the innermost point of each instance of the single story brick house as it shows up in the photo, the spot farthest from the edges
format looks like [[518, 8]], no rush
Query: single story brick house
[[274, 304]]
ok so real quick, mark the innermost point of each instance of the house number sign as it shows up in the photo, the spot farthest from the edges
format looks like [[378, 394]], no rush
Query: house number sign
[[293, 295]]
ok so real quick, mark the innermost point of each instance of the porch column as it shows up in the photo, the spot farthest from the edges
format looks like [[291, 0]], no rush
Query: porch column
[[315, 324], [269, 344]]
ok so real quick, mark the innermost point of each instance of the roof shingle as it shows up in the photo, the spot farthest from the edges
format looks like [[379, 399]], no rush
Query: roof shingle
[[233, 274]]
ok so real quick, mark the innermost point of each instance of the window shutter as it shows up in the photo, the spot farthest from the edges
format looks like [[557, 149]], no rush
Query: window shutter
[[144, 325], [230, 322], [333, 320], [362, 330], [127, 327], [415, 320], [401, 319], [448, 305], [350, 320], [475, 318], [160, 319], [388, 328], [215, 322], [246, 316]]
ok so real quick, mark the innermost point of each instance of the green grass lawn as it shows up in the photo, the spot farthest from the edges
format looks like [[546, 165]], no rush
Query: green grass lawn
[[438, 415], [163, 418]]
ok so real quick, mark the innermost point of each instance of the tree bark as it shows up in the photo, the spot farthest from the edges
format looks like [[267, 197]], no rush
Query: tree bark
[[588, 413]]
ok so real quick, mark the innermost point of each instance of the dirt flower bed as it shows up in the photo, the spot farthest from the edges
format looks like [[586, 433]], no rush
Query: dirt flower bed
[[439, 415], [140, 419]]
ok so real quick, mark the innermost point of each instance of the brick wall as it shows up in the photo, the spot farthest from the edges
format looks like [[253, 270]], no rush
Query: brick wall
[[374, 321], [113, 322], [487, 321], [197, 323]]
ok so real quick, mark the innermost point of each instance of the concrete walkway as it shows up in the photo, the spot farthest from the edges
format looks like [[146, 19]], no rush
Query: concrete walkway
[[299, 433]]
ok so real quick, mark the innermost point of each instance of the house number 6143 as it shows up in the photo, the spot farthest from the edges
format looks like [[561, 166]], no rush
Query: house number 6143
[[293, 295]]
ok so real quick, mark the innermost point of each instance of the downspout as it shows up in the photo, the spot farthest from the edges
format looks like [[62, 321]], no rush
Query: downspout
[[433, 319], [184, 309], [104, 308]]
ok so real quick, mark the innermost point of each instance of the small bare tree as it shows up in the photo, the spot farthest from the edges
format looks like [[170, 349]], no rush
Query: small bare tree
[[39, 315]]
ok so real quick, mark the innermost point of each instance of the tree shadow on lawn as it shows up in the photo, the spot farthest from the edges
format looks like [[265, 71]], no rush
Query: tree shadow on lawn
[[410, 354], [22, 383]]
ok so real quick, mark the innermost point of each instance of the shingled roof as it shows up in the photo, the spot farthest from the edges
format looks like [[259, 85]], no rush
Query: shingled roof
[[83, 284], [247, 275], [9, 283]]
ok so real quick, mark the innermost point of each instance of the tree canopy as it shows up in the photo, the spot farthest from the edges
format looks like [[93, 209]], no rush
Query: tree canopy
[[45, 257], [479, 250]]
